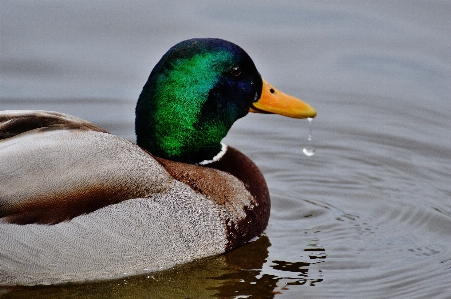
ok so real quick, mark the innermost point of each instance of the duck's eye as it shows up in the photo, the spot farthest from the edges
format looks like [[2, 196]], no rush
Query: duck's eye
[[236, 71]]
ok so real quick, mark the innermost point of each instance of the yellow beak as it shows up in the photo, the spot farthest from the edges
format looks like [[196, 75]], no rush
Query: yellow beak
[[275, 101]]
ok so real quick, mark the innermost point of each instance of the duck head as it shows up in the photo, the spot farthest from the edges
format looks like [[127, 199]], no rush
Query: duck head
[[194, 94]]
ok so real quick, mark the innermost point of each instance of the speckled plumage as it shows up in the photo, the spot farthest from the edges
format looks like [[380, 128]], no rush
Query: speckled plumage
[[114, 209]]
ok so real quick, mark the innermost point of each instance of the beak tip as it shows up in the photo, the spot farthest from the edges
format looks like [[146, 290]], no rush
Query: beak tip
[[313, 113], [309, 112]]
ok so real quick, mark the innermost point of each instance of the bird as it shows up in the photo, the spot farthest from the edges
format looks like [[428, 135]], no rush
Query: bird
[[80, 204]]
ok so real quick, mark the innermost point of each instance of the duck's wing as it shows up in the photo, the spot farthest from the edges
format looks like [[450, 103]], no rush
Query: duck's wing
[[54, 167], [15, 122]]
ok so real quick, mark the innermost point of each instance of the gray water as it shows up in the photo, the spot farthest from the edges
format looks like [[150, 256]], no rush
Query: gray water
[[368, 216]]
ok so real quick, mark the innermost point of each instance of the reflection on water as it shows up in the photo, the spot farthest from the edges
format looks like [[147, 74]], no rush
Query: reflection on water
[[235, 274], [302, 268]]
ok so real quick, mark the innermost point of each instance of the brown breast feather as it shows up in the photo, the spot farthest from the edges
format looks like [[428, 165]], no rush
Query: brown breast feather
[[214, 181]]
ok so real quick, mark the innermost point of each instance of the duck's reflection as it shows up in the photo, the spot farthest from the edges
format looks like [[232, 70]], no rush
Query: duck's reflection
[[303, 269], [235, 274], [242, 276]]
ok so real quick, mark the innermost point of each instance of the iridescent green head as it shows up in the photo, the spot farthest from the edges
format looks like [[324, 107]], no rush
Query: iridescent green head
[[198, 89]]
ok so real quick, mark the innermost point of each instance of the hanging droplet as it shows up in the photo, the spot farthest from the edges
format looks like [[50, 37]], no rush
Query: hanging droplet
[[309, 150]]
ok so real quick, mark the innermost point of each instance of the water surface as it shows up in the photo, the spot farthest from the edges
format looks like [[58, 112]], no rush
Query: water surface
[[369, 215]]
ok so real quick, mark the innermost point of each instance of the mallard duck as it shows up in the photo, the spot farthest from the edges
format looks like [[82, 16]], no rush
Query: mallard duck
[[79, 204]]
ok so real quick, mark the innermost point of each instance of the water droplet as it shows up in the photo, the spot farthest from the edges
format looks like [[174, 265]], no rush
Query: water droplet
[[309, 150]]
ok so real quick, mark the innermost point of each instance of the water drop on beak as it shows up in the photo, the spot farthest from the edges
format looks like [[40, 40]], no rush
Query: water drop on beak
[[309, 150]]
